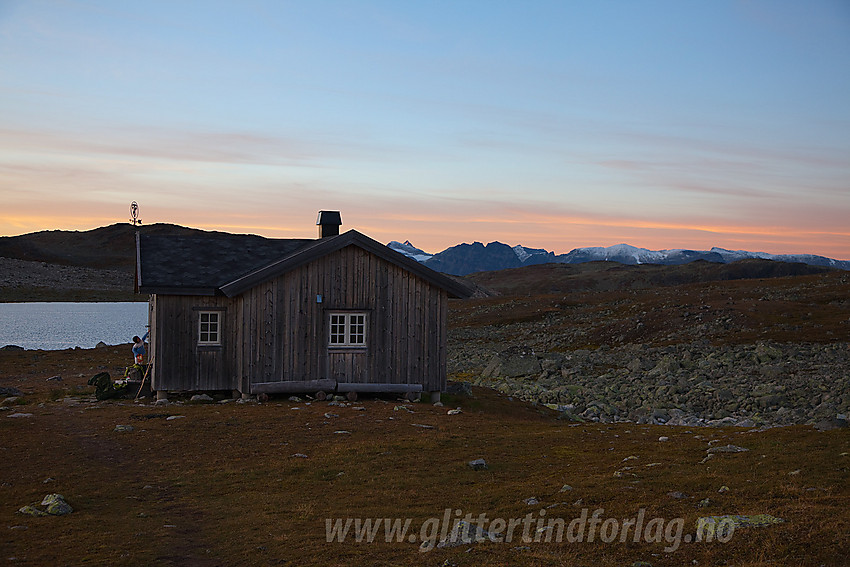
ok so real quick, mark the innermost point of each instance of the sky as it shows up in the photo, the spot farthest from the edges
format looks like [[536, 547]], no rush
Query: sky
[[661, 124]]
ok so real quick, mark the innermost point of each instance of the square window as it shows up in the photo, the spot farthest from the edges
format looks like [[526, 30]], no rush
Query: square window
[[209, 328], [347, 330]]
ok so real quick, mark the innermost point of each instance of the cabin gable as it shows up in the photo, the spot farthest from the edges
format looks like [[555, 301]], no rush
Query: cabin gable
[[343, 313], [288, 320]]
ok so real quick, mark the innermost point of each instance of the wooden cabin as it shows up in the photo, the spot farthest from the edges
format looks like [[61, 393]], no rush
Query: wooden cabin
[[342, 313]]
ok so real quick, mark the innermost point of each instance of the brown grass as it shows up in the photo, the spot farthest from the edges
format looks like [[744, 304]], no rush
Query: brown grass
[[811, 308], [221, 487]]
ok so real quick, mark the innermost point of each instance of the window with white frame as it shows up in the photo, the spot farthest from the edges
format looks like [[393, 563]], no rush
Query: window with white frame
[[209, 328], [347, 330]]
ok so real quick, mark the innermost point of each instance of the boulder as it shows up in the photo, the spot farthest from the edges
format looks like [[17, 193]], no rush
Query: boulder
[[32, 511], [727, 449], [463, 533], [513, 363], [55, 505], [51, 505], [459, 389]]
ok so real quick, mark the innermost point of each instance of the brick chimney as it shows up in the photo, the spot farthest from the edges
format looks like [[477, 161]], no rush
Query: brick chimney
[[329, 222]]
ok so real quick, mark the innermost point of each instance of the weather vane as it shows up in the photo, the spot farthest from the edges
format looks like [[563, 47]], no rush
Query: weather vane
[[134, 214]]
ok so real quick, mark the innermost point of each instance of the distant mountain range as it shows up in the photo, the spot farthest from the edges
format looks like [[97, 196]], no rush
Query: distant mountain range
[[466, 259], [113, 248]]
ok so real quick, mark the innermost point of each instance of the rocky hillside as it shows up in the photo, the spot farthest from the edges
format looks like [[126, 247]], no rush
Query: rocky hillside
[[63, 265], [752, 351], [109, 247]]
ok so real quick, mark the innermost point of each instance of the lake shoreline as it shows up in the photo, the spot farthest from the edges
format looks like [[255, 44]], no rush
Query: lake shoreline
[[65, 325], [23, 281]]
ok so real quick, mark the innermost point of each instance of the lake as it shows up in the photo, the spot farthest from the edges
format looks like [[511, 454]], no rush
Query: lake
[[56, 326]]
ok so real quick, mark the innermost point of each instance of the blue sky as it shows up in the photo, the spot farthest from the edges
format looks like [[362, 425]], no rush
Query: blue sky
[[550, 124]]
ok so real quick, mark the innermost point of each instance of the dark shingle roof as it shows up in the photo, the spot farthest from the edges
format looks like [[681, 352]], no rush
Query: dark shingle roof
[[201, 264], [233, 263]]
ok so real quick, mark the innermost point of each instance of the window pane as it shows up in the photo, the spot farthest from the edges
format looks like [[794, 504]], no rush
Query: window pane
[[337, 335], [357, 329], [209, 328]]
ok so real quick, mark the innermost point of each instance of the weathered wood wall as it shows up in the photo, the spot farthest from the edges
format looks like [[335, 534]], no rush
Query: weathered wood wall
[[179, 362], [277, 331], [287, 330]]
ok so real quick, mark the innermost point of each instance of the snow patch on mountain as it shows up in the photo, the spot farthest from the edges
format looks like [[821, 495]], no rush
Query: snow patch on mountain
[[410, 250], [733, 255], [521, 253], [625, 253]]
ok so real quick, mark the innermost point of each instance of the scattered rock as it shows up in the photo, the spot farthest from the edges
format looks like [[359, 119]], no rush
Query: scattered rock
[[331, 415], [690, 384], [300, 455], [32, 511], [727, 449], [124, 428], [55, 505], [295, 399], [677, 495], [533, 501], [173, 417], [54, 379], [201, 399], [709, 525], [423, 426], [403, 408], [9, 391], [454, 411], [459, 389], [51, 505], [663, 438], [19, 414], [830, 424], [478, 465], [463, 533], [723, 488], [566, 488], [512, 363]]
